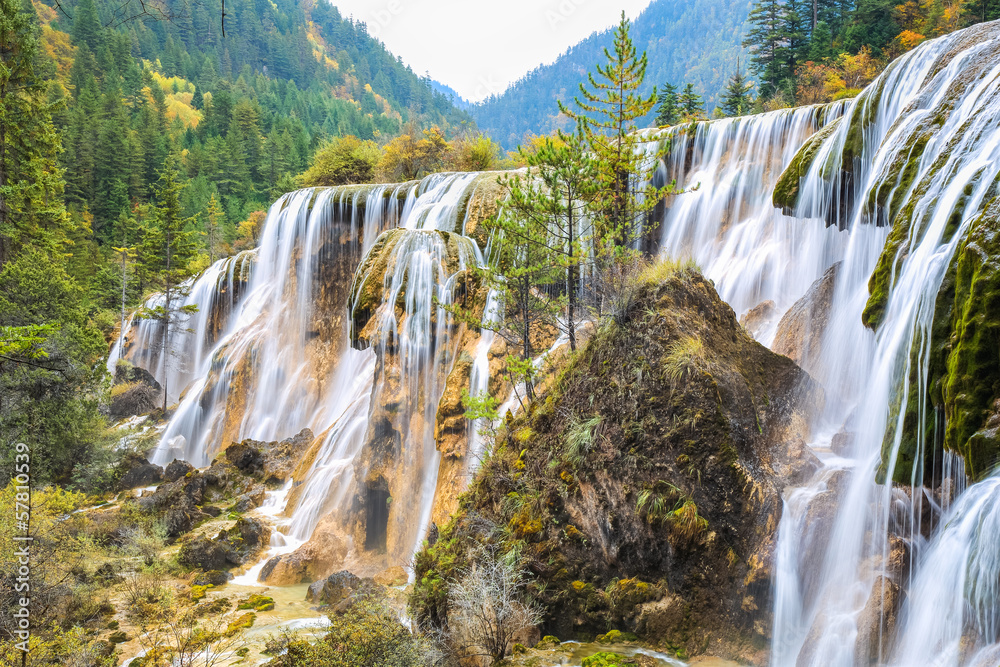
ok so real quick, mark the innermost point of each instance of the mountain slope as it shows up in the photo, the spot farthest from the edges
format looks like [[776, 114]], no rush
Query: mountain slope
[[696, 42]]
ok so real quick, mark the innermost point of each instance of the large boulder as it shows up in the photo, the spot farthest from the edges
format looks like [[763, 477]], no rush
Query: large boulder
[[178, 503], [333, 589], [135, 392], [322, 554], [644, 488], [800, 331], [177, 469], [135, 471], [246, 456], [236, 546]]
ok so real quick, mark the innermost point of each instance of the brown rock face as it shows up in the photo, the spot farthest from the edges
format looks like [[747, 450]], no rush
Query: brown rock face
[[323, 554], [758, 317], [877, 623], [801, 329]]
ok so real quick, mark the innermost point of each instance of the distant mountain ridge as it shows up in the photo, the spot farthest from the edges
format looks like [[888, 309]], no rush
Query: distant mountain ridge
[[450, 93], [684, 41]]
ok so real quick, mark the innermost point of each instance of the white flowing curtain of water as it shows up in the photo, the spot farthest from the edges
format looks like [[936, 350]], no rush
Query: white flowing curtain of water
[[827, 575], [213, 293], [724, 219]]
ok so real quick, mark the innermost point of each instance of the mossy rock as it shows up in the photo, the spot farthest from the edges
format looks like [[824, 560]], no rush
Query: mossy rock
[[786, 191], [963, 384], [606, 659], [548, 641], [118, 637], [257, 602], [199, 592], [243, 622]]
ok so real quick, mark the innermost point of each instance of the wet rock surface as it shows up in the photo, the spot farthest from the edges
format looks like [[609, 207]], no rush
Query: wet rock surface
[[800, 331], [317, 558]]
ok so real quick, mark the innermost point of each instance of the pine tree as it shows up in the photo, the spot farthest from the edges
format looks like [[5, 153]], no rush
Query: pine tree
[[668, 112], [607, 113], [214, 219], [796, 46], [821, 43], [31, 185], [554, 198], [522, 275], [873, 25], [766, 39], [87, 26], [691, 103], [112, 164], [167, 248], [736, 98], [980, 11]]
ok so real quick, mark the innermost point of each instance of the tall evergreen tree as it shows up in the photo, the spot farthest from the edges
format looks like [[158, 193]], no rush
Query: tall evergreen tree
[[796, 48], [766, 40], [31, 185], [691, 102], [214, 218], [873, 24], [554, 199], [167, 247], [980, 11], [608, 110], [668, 110], [736, 98], [821, 43], [87, 26]]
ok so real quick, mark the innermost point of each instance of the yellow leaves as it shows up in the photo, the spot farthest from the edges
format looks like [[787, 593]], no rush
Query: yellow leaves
[[58, 47], [920, 19], [908, 40], [249, 230], [842, 77], [199, 592]]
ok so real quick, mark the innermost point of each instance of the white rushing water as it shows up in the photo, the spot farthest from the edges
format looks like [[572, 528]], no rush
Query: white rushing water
[[828, 573], [281, 355], [286, 356]]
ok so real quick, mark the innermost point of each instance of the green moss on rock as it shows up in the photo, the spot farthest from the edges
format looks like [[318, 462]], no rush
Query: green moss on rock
[[786, 192]]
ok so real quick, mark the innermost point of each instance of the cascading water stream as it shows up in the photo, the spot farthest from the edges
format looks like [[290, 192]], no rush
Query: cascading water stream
[[291, 353], [725, 221], [831, 577]]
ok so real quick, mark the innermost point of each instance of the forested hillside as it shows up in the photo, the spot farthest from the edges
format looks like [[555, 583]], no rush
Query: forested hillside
[[245, 109], [685, 42]]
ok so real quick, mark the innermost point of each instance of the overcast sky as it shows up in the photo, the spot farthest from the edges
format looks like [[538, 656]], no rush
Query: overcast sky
[[479, 47]]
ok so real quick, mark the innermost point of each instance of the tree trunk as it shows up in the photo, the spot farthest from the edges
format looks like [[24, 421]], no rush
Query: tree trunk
[[572, 278]]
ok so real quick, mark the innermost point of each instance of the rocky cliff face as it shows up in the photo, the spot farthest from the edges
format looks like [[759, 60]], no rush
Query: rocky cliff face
[[642, 490]]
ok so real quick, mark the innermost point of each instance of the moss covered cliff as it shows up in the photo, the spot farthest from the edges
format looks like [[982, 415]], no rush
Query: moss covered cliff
[[642, 490]]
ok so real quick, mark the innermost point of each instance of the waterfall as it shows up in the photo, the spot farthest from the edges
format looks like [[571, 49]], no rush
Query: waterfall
[[342, 326], [862, 173]]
